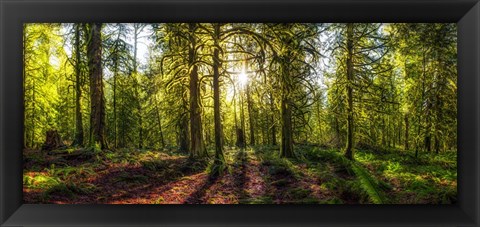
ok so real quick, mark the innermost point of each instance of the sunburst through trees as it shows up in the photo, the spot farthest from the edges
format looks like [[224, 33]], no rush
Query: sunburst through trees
[[240, 113]]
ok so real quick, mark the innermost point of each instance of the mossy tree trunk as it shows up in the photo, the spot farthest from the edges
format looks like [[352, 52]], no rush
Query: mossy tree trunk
[[97, 98], [78, 91], [216, 96], [197, 148]]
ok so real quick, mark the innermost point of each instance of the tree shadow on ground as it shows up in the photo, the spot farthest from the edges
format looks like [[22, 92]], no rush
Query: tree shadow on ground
[[240, 173], [197, 197], [227, 184], [118, 183]]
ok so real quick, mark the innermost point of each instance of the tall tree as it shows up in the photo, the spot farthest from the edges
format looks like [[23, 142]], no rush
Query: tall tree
[[295, 58], [197, 147], [216, 94], [78, 89], [97, 98]]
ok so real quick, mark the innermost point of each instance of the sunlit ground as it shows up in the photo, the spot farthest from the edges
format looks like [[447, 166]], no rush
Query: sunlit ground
[[254, 175]]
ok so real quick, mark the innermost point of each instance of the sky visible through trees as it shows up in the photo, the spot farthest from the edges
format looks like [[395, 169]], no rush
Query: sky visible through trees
[[254, 113]]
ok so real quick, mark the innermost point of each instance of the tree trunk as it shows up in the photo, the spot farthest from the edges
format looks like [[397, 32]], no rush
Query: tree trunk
[[349, 145], [123, 141], [32, 136], [286, 146], [162, 140], [337, 132], [216, 98], [272, 118], [197, 148], [241, 129], [52, 141], [184, 144], [407, 125], [97, 114], [238, 132], [250, 117], [286, 149], [115, 143], [78, 91], [419, 123], [384, 138]]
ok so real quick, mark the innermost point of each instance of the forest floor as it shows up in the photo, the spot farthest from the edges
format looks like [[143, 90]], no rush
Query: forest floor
[[252, 176]]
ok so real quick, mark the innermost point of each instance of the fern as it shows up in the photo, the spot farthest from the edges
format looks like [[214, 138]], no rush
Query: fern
[[368, 184]]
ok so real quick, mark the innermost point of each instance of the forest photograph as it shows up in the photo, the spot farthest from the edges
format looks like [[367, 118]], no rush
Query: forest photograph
[[240, 113]]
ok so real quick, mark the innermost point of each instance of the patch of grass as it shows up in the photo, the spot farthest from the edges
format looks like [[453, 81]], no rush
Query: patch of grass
[[40, 181]]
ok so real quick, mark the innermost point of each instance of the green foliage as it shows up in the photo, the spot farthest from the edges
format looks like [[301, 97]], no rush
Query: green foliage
[[216, 168], [369, 184], [40, 181], [429, 179], [154, 165], [284, 90]]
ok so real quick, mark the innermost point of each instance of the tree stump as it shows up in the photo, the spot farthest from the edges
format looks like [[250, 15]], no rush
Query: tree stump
[[52, 141]]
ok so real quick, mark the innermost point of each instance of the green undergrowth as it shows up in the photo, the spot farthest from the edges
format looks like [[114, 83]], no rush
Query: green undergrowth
[[67, 173], [378, 177], [352, 182], [375, 177], [429, 178]]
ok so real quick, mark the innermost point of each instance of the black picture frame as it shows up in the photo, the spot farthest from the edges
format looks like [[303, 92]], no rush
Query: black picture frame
[[13, 13]]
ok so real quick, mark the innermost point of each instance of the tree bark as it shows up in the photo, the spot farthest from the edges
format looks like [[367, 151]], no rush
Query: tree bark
[[250, 117], [243, 141], [183, 139], [162, 140], [52, 141], [216, 97], [97, 114], [197, 148], [286, 146], [78, 91], [407, 126], [272, 118], [286, 149]]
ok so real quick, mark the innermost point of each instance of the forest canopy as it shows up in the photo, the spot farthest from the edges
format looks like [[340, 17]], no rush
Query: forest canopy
[[372, 105]]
